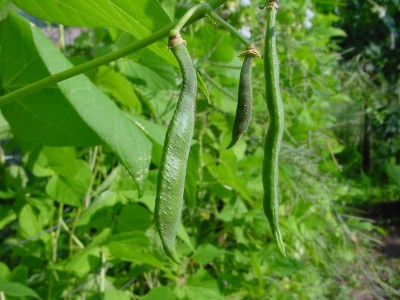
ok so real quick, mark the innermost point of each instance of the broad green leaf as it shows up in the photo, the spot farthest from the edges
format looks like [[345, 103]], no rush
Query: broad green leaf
[[156, 134], [286, 266], [133, 217], [99, 209], [15, 177], [184, 236], [72, 188], [29, 224], [233, 210], [111, 125], [45, 117], [14, 289], [60, 160], [206, 253], [5, 7], [44, 208], [7, 215], [149, 73], [202, 287], [161, 292], [116, 295], [71, 178], [133, 247], [38, 164], [4, 271], [190, 194], [86, 259], [101, 114], [118, 86], [227, 174], [19, 274], [4, 126], [138, 17], [83, 262]]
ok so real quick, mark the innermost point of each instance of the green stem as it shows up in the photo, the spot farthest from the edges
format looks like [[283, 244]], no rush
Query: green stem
[[95, 63], [61, 31], [230, 28], [197, 9]]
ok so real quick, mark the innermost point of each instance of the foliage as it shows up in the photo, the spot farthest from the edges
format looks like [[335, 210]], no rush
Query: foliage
[[371, 58], [73, 224]]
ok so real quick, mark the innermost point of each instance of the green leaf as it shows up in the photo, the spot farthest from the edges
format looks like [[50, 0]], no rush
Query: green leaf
[[206, 253], [227, 174], [203, 87], [5, 7], [116, 295], [88, 259], [133, 217], [4, 271], [7, 215], [19, 274], [60, 160], [118, 86], [101, 114], [46, 117], [138, 17], [133, 247], [16, 289], [193, 165], [202, 287], [29, 224], [286, 266], [184, 236], [161, 292], [100, 209], [71, 185], [83, 262], [15, 177], [149, 73]]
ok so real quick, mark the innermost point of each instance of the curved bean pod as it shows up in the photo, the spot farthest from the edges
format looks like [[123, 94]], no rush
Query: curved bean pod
[[172, 173], [274, 134], [245, 98]]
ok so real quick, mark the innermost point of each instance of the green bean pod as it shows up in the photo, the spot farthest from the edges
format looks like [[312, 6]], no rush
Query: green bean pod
[[274, 134], [245, 97], [172, 173]]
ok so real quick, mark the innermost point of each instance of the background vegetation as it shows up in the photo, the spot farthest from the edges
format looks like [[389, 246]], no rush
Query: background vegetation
[[71, 223]]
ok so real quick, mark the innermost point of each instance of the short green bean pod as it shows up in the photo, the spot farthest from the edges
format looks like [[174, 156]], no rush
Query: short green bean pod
[[172, 173], [245, 96]]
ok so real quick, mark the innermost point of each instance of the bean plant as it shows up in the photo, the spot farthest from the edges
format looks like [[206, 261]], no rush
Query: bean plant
[[116, 180]]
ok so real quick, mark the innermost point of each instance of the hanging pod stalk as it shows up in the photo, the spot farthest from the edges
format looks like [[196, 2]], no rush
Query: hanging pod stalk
[[274, 134], [172, 173]]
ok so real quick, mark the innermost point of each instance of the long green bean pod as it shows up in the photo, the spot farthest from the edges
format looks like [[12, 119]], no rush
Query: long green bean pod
[[245, 96], [172, 173], [274, 134]]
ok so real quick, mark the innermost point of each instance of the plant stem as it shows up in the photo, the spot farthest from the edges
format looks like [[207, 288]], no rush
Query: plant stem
[[199, 8], [230, 28], [97, 62], [74, 238], [61, 32], [218, 86]]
